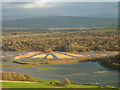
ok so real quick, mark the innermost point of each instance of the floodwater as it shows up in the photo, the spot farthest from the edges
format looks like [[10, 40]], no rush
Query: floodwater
[[85, 72]]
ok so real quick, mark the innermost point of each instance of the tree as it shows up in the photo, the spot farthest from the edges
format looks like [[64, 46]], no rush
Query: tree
[[48, 50], [67, 81]]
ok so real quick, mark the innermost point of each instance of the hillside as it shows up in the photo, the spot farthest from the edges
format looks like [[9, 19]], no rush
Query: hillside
[[59, 22]]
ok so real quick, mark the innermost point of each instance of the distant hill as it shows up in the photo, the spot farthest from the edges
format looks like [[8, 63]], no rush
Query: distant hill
[[59, 22]]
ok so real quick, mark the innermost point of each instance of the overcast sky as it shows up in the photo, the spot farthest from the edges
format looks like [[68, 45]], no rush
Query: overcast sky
[[60, 0], [42, 9]]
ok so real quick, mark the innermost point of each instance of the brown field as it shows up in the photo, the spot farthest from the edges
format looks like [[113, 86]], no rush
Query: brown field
[[61, 55], [77, 55], [50, 57], [26, 55], [103, 54], [40, 56]]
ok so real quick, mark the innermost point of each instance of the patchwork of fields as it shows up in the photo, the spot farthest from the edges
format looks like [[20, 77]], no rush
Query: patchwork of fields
[[54, 55]]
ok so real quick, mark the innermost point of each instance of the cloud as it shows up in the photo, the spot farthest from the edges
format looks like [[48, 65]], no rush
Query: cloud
[[29, 5], [42, 9], [37, 4]]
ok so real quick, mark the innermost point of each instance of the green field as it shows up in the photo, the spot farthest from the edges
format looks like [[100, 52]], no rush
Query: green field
[[44, 83], [41, 85], [33, 66]]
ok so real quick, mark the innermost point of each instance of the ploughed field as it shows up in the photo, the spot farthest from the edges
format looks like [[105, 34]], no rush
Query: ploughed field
[[30, 55]]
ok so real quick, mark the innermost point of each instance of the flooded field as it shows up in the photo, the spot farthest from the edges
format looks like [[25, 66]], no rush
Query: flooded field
[[86, 72]]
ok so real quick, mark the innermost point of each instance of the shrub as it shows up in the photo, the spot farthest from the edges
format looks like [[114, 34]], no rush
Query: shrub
[[67, 81], [59, 84], [13, 76]]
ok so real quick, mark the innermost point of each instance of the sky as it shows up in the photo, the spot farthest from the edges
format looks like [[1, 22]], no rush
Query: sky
[[60, 0], [46, 9]]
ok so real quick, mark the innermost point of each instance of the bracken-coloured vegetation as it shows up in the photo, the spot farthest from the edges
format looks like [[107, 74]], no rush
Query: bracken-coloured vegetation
[[13, 76], [74, 41]]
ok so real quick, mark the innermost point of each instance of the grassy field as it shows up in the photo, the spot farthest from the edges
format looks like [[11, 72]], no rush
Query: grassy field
[[40, 68], [33, 66], [42, 85], [47, 83]]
